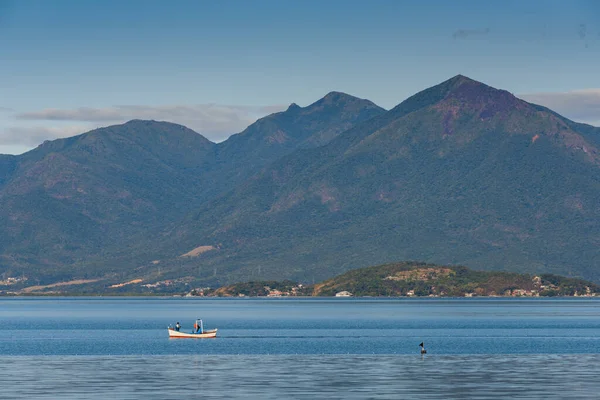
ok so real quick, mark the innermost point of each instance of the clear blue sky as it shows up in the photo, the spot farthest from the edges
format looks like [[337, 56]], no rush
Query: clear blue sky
[[67, 66]]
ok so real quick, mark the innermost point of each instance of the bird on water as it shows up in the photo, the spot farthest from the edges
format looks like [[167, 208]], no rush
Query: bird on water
[[423, 351]]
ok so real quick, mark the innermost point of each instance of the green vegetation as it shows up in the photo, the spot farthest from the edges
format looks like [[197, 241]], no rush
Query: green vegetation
[[421, 279], [260, 288], [408, 278]]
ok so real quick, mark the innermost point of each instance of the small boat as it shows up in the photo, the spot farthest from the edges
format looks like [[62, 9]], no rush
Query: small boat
[[198, 332], [178, 334]]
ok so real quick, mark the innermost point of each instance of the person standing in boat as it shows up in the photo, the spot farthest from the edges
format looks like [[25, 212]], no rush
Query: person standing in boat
[[196, 327], [177, 327]]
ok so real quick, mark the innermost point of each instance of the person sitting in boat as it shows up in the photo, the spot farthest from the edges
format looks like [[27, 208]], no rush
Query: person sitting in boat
[[177, 327]]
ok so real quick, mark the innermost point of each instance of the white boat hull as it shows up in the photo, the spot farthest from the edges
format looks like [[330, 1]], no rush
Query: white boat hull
[[205, 335]]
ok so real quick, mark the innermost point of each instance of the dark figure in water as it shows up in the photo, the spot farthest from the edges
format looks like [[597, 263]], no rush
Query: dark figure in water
[[423, 351]]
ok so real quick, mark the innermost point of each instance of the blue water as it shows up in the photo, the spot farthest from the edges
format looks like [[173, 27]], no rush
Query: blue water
[[300, 348]]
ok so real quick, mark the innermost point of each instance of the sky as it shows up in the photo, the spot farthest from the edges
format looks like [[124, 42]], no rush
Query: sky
[[69, 66]]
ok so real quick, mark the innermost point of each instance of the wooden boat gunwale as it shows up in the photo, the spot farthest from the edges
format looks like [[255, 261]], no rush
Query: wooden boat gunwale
[[199, 333], [180, 335]]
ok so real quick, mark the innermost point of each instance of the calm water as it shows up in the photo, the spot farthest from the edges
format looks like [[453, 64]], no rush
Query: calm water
[[300, 348]]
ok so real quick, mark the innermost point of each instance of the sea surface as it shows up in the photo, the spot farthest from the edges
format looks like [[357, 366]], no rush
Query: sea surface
[[334, 348]]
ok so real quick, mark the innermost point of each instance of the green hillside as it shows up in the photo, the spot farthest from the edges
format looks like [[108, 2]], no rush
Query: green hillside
[[420, 279]]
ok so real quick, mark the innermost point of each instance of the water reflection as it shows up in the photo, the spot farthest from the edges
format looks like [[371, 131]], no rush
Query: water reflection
[[302, 377]]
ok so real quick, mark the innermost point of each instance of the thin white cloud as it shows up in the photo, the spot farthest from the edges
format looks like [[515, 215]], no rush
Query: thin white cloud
[[467, 33], [216, 122], [578, 105]]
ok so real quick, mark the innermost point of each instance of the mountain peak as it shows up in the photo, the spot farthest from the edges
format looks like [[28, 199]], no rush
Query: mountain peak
[[459, 79], [461, 83], [343, 100], [461, 91], [473, 94], [293, 107], [152, 123], [335, 93], [335, 97]]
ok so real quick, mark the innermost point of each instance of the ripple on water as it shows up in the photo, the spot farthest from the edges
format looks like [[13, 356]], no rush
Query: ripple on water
[[313, 376]]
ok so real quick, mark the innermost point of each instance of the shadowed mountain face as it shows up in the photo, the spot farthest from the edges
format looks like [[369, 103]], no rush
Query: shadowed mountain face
[[90, 199], [279, 134], [459, 173], [72, 198], [7, 166]]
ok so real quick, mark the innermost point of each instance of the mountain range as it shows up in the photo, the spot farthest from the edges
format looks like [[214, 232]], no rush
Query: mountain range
[[460, 173]]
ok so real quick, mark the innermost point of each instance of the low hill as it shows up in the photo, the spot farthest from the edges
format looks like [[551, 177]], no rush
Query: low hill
[[420, 279]]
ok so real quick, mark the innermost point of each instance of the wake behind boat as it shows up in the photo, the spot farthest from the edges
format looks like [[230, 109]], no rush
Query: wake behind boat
[[199, 332]]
